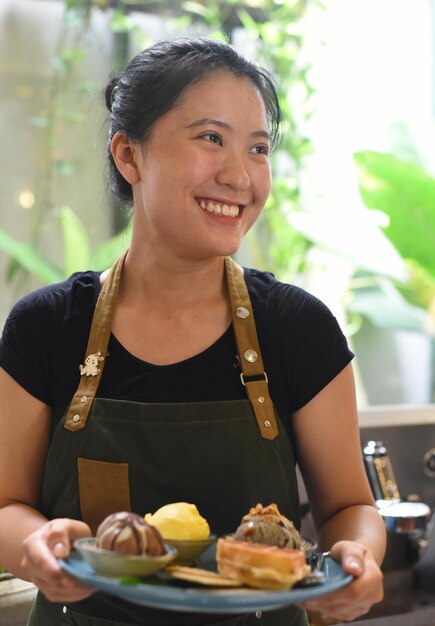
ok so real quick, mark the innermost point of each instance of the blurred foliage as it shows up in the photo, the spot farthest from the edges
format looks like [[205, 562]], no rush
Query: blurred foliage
[[405, 192]]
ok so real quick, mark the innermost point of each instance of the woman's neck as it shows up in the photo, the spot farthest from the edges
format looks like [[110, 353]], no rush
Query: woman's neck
[[167, 314], [161, 280]]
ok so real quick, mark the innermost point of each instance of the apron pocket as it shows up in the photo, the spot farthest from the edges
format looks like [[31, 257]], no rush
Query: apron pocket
[[103, 489]]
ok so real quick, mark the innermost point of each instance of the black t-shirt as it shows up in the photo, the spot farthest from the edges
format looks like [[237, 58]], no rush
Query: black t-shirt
[[45, 338]]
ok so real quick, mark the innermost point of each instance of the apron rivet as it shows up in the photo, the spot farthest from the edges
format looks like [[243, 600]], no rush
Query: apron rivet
[[242, 312], [267, 423], [83, 398], [260, 399], [76, 418], [251, 356], [64, 609], [258, 614]]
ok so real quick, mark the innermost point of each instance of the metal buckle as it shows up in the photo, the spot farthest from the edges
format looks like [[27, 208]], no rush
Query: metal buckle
[[242, 378]]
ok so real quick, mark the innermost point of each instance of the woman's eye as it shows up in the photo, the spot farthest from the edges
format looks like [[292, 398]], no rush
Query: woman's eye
[[213, 138], [261, 150]]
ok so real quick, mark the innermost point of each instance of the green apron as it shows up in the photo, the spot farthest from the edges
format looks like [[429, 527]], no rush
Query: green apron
[[109, 455]]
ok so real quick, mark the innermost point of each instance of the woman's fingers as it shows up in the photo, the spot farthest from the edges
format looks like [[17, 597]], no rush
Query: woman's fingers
[[362, 593], [41, 551]]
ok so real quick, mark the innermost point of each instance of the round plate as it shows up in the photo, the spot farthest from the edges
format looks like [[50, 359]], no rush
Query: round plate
[[109, 563], [163, 592]]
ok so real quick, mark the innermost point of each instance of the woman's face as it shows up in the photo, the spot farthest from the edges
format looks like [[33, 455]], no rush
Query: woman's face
[[204, 173]]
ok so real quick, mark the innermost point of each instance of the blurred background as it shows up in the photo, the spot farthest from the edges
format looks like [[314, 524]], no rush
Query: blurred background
[[352, 214]]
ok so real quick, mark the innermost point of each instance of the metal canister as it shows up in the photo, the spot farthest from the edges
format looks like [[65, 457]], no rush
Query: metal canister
[[380, 472]]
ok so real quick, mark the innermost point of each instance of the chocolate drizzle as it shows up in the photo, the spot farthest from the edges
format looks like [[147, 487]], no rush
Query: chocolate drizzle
[[128, 533]]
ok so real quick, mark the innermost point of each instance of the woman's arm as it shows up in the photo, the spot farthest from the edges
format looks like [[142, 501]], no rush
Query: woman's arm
[[29, 543], [344, 512]]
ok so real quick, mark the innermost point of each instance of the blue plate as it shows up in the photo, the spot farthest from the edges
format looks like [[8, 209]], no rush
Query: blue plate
[[163, 592]]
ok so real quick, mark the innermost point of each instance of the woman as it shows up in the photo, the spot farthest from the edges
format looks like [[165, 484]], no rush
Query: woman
[[185, 353]]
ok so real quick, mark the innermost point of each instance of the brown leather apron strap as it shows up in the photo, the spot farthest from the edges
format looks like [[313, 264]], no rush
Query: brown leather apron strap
[[253, 375], [92, 369]]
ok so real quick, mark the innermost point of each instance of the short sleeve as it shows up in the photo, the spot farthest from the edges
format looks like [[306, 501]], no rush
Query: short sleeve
[[302, 344], [322, 351], [45, 336], [28, 344]]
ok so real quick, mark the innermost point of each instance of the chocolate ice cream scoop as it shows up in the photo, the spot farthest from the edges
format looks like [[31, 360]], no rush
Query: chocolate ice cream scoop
[[128, 533], [267, 533], [268, 526]]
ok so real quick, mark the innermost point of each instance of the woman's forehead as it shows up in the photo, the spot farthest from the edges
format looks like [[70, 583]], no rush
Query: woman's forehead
[[220, 80], [222, 93]]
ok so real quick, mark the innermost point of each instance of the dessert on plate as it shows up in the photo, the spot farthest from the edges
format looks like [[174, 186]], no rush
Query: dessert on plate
[[183, 528], [267, 525], [179, 520], [264, 552], [128, 533]]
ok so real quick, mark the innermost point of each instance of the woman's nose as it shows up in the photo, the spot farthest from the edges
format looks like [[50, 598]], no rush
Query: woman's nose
[[234, 173]]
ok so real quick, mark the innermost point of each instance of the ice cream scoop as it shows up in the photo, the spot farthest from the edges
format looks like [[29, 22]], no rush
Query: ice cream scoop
[[179, 520], [267, 533], [268, 526], [128, 533]]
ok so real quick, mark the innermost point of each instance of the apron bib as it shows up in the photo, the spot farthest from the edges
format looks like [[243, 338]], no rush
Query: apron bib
[[108, 455]]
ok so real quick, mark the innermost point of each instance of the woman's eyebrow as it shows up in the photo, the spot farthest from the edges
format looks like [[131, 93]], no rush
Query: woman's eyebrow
[[205, 121]]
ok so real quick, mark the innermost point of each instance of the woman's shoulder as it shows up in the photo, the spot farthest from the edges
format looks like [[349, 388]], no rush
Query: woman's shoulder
[[57, 301], [285, 300], [42, 327]]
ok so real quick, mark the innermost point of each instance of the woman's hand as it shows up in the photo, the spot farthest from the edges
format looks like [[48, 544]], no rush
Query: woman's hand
[[362, 593], [42, 549]]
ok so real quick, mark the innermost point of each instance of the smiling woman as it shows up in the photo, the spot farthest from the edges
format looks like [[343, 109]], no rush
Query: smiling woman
[[203, 203], [192, 379], [164, 72]]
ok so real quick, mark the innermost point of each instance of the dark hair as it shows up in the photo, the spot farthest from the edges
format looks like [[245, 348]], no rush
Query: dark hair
[[154, 80]]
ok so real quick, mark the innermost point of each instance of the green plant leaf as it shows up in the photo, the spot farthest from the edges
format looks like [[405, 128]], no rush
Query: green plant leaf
[[73, 54], [421, 287], [247, 21], [196, 8], [29, 258], [406, 193], [121, 22], [384, 306], [75, 242], [130, 580]]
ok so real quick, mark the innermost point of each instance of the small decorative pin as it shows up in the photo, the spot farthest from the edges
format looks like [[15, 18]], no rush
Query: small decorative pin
[[90, 368]]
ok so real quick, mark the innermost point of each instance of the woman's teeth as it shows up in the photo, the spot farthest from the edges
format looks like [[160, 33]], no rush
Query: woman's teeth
[[219, 209]]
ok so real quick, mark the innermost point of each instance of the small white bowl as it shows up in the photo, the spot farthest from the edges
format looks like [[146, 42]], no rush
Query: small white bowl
[[110, 563]]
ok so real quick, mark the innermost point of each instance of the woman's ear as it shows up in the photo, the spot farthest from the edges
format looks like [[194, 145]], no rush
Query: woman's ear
[[124, 153]]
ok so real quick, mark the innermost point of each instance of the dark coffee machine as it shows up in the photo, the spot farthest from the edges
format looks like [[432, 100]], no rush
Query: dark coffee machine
[[406, 520]]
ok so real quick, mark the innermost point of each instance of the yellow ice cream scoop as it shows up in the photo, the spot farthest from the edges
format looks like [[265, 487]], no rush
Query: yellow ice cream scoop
[[179, 520]]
